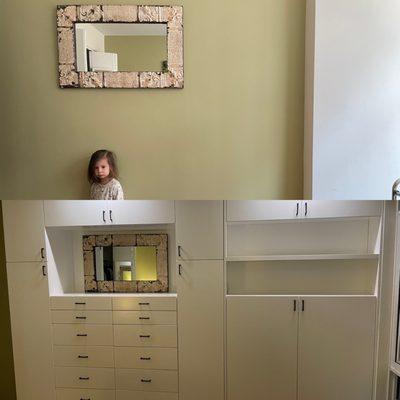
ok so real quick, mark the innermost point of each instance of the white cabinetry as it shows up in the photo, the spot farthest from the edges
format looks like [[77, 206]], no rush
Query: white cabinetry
[[99, 212], [23, 230]]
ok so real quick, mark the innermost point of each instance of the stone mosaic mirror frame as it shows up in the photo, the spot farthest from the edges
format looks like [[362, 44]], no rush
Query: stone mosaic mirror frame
[[89, 242], [69, 77]]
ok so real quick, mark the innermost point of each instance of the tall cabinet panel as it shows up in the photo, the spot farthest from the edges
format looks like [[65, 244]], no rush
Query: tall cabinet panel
[[199, 230], [262, 347], [30, 325], [24, 230], [336, 342], [200, 330]]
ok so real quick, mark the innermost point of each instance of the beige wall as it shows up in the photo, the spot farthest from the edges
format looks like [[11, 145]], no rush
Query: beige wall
[[138, 53], [7, 383], [235, 131]]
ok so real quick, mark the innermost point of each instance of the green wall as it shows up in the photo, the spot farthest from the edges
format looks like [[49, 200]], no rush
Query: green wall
[[234, 131], [137, 53], [7, 383]]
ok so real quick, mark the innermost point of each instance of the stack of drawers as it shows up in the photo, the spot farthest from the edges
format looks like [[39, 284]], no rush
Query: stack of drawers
[[115, 348]]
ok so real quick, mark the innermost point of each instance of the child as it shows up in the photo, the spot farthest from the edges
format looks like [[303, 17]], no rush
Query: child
[[103, 174]]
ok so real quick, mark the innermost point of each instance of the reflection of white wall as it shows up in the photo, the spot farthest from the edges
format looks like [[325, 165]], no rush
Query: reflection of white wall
[[87, 37], [99, 255], [123, 257]]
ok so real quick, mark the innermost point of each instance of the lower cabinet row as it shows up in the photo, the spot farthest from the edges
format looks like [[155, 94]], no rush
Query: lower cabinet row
[[311, 348]]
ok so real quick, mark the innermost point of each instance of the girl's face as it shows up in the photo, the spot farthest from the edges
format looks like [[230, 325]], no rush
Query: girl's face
[[102, 169]]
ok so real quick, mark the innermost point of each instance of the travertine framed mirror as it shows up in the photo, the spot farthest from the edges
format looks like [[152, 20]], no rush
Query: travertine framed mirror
[[125, 263], [120, 46]]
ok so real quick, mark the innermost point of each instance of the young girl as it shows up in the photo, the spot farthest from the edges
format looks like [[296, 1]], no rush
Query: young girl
[[103, 174]]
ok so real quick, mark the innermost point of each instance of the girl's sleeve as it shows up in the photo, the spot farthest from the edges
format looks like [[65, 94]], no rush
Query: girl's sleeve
[[120, 193]]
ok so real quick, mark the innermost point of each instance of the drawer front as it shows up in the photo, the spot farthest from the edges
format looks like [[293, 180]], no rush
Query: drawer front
[[130, 395], [83, 335], [91, 378], [81, 317], [146, 336], [80, 394], [84, 356], [146, 380], [80, 303], [145, 317], [146, 358], [144, 303]]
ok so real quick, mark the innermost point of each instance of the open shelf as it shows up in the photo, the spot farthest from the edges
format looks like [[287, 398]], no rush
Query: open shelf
[[294, 257]]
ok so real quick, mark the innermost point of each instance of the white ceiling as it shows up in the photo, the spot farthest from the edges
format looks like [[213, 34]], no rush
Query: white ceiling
[[128, 29]]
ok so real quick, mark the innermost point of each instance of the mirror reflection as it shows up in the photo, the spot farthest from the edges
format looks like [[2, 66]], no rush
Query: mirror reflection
[[121, 47], [125, 263]]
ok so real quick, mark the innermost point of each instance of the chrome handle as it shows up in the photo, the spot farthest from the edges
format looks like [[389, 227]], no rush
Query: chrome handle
[[44, 273], [146, 380], [297, 209], [111, 216], [306, 211], [180, 269], [42, 253], [104, 216]]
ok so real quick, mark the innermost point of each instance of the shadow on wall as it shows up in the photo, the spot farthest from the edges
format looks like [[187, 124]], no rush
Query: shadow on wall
[[7, 382]]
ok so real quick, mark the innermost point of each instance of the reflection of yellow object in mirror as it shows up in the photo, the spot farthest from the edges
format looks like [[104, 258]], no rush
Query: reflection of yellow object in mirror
[[146, 263], [126, 275]]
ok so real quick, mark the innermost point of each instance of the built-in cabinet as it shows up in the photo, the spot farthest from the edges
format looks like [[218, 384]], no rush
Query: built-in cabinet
[[273, 299]]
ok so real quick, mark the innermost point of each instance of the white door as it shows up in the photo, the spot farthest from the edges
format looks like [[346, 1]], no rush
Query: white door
[[133, 212], [201, 330], [262, 347], [199, 230], [253, 210], [30, 328], [76, 212], [340, 209], [336, 348], [23, 230]]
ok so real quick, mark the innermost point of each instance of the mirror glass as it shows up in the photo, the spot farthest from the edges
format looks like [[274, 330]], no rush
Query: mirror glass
[[125, 263], [121, 47]]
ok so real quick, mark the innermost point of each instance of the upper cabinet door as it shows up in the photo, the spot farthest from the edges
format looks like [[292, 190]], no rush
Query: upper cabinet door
[[337, 209], [199, 230], [23, 230], [76, 212], [136, 212], [253, 210], [336, 348]]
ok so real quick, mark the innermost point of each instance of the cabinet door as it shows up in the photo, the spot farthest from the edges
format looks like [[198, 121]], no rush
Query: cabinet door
[[337, 209], [336, 348], [262, 348], [76, 212], [199, 230], [31, 333], [23, 230], [253, 210], [134, 212], [201, 330]]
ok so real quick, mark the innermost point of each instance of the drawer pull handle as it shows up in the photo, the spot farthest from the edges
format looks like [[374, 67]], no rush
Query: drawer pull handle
[[84, 378], [83, 356], [80, 317], [146, 380], [144, 304], [145, 358], [42, 253], [85, 398], [144, 336], [82, 303], [81, 334], [144, 317]]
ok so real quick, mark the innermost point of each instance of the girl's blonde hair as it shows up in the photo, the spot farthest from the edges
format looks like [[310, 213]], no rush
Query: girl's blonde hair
[[97, 156]]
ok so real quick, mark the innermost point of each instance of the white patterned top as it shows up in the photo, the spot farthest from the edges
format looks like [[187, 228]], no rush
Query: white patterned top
[[110, 191]]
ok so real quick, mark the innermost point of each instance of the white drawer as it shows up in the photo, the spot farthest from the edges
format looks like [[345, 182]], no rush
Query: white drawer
[[80, 394], [144, 303], [84, 356], [146, 380], [81, 317], [82, 335], [91, 378], [145, 317], [147, 336], [146, 357], [80, 303], [130, 395]]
